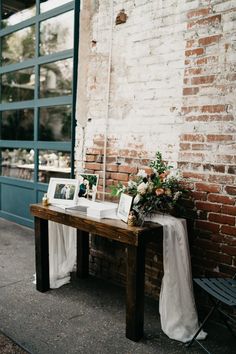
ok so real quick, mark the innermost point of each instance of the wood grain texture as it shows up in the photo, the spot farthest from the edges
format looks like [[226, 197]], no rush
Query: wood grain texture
[[109, 228]]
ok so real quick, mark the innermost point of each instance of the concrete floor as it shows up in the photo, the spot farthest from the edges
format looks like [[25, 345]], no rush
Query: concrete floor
[[85, 316]]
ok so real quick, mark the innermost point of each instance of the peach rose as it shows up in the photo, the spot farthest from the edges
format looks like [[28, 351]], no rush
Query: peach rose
[[159, 191]]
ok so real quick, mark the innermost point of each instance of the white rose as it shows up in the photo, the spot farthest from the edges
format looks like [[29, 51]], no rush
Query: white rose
[[142, 188]]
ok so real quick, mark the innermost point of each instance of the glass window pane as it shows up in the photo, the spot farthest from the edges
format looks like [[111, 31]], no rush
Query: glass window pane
[[17, 125], [46, 5], [53, 164], [55, 123], [14, 12], [18, 85], [56, 34], [18, 46], [56, 78], [17, 163]]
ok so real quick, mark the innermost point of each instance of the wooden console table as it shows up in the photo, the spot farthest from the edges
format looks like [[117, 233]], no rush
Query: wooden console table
[[135, 239]]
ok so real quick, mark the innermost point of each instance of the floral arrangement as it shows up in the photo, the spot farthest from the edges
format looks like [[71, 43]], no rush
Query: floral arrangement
[[160, 191]]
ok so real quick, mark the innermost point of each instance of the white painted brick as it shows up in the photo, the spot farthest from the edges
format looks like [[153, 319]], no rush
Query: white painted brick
[[148, 63]]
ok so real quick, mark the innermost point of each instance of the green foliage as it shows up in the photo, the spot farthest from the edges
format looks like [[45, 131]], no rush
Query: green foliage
[[160, 191]]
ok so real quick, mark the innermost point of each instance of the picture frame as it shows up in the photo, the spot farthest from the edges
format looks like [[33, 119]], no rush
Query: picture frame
[[63, 191], [88, 184], [125, 204]]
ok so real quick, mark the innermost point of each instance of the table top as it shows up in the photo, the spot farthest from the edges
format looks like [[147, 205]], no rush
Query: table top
[[109, 228]]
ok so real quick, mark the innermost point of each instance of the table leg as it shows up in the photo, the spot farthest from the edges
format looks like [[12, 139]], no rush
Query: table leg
[[82, 254], [41, 254], [135, 292]]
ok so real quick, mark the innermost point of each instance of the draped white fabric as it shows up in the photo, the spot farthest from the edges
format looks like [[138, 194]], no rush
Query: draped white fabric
[[177, 308], [62, 253]]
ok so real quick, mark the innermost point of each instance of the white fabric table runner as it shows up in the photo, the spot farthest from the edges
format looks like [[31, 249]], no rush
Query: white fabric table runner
[[177, 307]]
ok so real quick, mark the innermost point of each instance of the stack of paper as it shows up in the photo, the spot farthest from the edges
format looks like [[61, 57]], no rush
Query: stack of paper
[[102, 210]]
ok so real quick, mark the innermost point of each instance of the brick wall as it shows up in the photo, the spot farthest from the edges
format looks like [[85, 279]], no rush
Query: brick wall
[[172, 89]]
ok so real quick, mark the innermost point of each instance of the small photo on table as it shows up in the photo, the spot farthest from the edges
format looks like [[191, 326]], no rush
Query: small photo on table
[[124, 206], [63, 191], [88, 185]]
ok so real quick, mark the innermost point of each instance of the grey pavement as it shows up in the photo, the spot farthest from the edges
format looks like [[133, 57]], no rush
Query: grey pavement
[[86, 316]]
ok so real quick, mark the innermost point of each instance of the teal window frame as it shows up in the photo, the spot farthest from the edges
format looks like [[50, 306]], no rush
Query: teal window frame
[[37, 102]]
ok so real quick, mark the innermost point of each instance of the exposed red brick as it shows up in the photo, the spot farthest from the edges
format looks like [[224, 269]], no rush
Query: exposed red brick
[[190, 91], [198, 12], [194, 175], [223, 258], [205, 187], [148, 170], [192, 137], [228, 250], [208, 206], [222, 219], [194, 52], [128, 153], [199, 195], [193, 71], [98, 142], [94, 151], [207, 21], [232, 170], [207, 244], [219, 137], [120, 176], [219, 168], [90, 158], [218, 198], [210, 118], [230, 190], [211, 59], [218, 108], [209, 40], [229, 239], [223, 179], [109, 182], [128, 169], [112, 167], [231, 210], [184, 146], [201, 80], [206, 225], [93, 166], [113, 152]]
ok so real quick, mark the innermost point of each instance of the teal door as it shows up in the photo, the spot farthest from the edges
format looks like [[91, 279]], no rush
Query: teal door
[[39, 45]]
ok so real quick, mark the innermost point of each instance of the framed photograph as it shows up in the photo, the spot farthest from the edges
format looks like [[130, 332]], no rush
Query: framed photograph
[[63, 191], [88, 185], [124, 206]]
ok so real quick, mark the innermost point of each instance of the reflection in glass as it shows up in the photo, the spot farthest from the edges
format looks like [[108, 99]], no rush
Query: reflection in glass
[[55, 123], [51, 4], [14, 12], [18, 85], [56, 34], [17, 125], [56, 78], [53, 164], [18, 46], [17, 163]]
